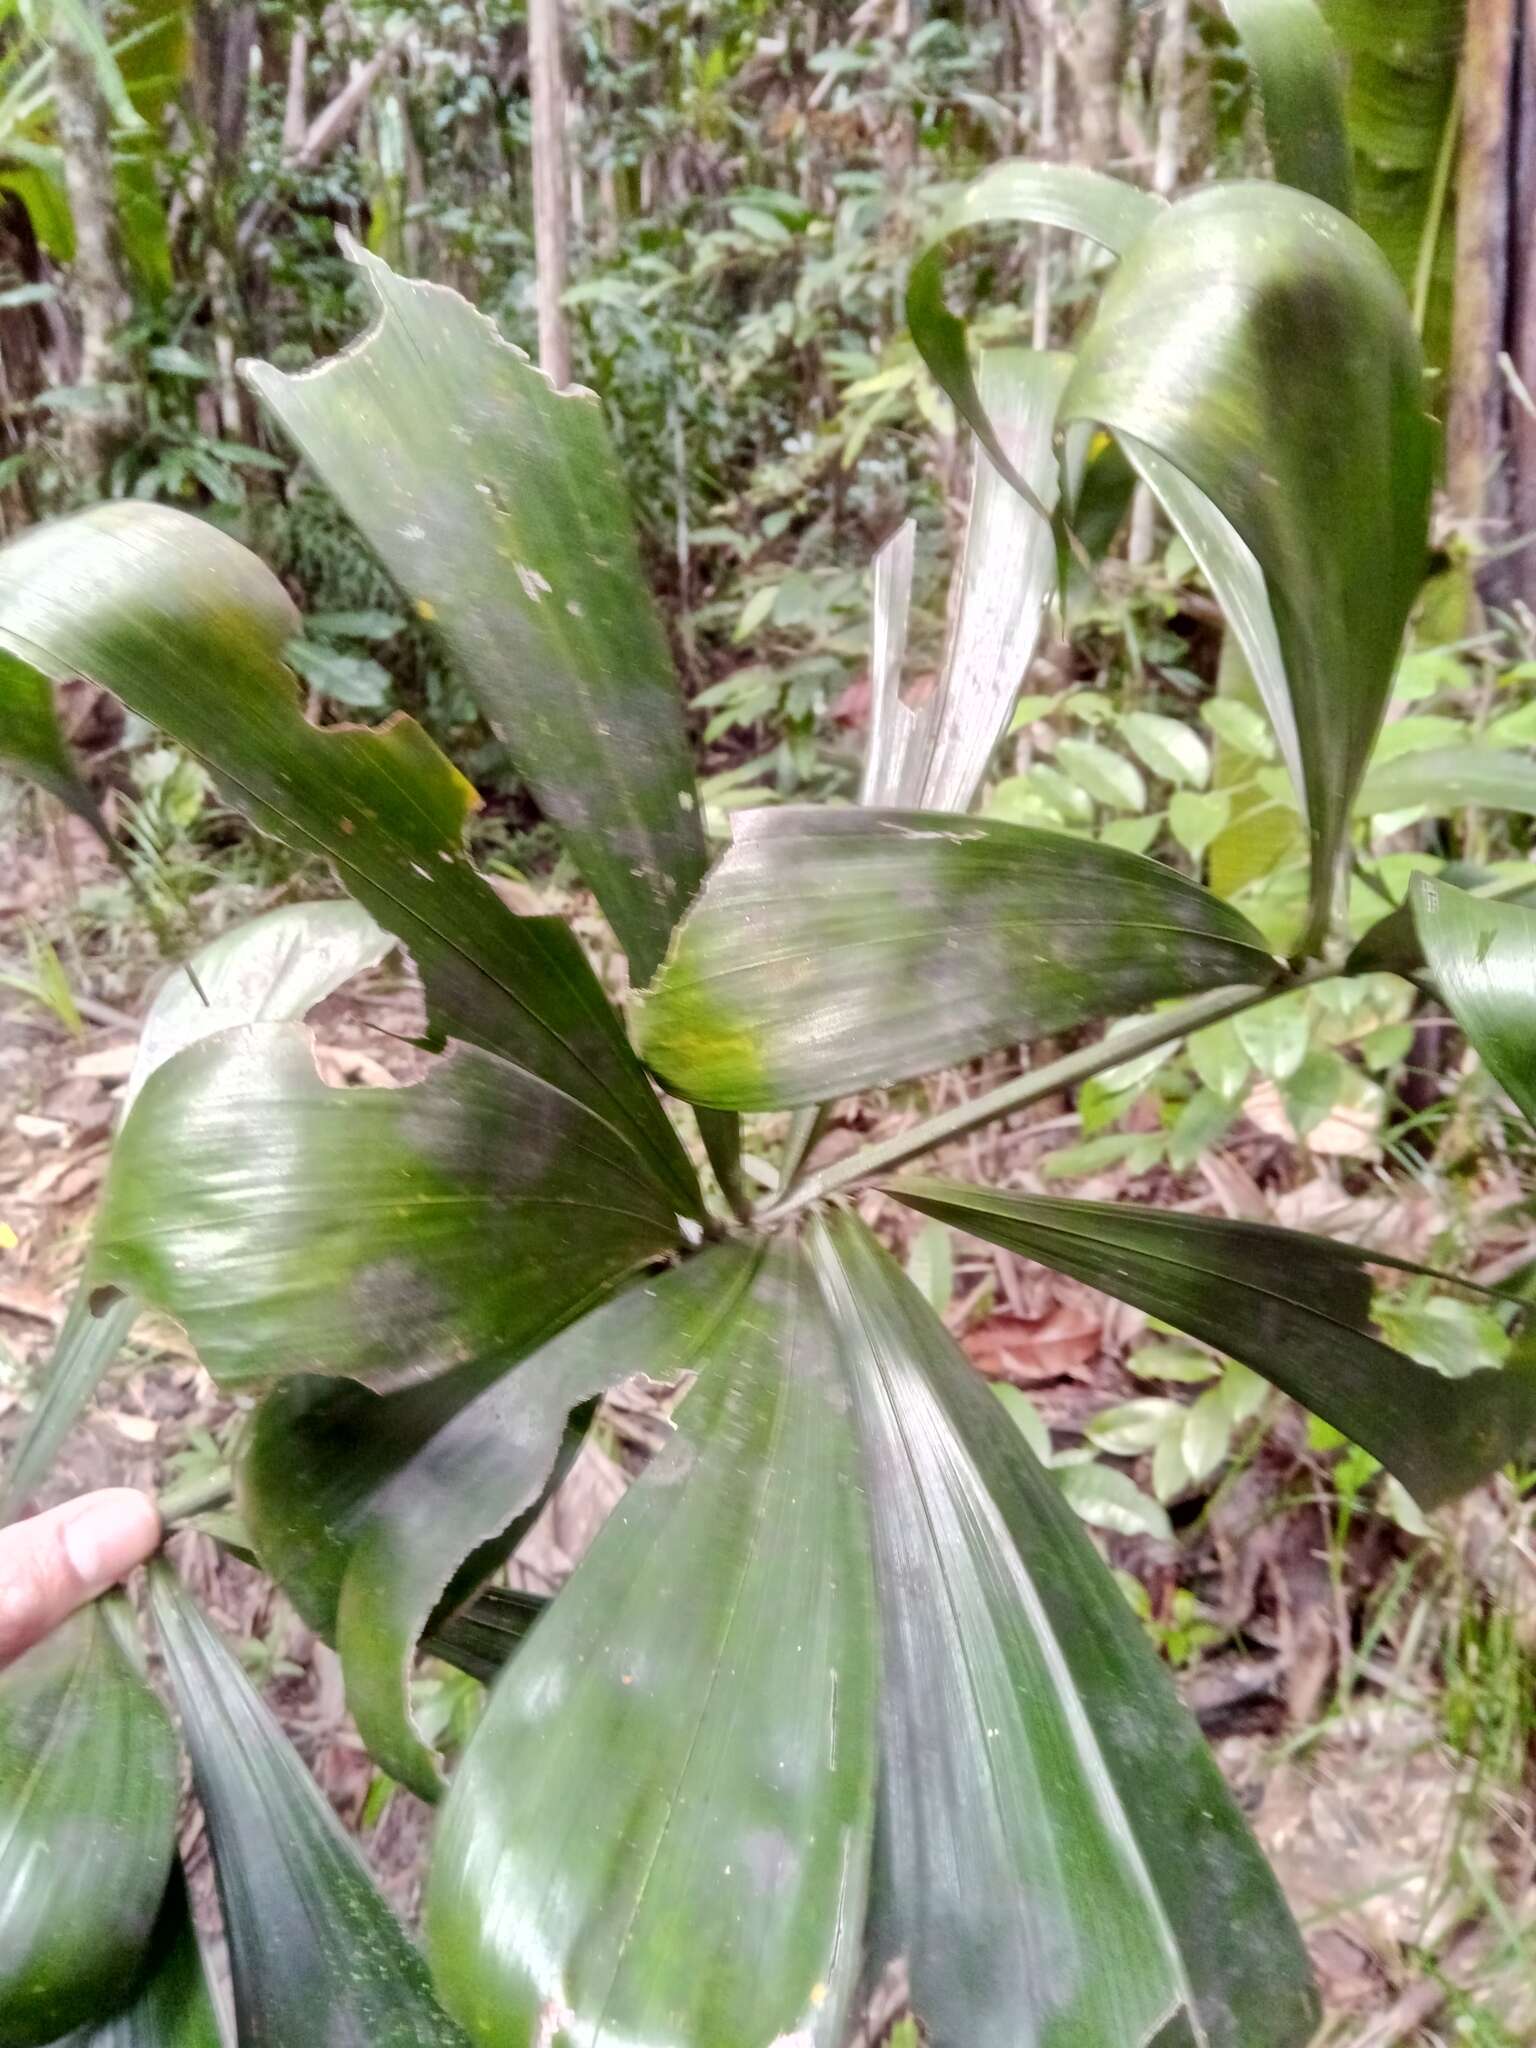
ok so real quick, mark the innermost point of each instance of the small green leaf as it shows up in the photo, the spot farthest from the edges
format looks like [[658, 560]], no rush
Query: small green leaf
[[1195, 819], [755, 612], [88, 1788], [371, 1232], [1386, 1047], [353, 679], [1107, 776], [1207, 1434], [1169, 747], [1275, 1036], [1240, 727], [316, 1956], [358, 625], [1132, 1149], [1170, 1474], [1203, 1122], [1311, 1092], [1131, 1427], [1107, 1499], [1026, 1419], [1172, 1362], [1130, 835]]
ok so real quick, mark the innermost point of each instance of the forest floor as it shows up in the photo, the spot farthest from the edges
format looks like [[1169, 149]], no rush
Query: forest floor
[[1368, 1693]]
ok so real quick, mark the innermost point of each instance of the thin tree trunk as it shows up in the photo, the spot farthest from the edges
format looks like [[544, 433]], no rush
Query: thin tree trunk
[[1168, 88], [1097, 56], [221, 74], [97, 275], [550, 189], [1520, 332], [295, 105], [1491, 424]]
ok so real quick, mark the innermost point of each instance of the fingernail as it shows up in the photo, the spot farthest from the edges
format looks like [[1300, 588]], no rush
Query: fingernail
[[110, 1536]]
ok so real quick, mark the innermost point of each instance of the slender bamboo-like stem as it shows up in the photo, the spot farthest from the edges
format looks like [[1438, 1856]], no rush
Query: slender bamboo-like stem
[[1162, 1029], [551, 191]]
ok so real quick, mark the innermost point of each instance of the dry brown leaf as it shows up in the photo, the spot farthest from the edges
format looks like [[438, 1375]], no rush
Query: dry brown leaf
[[1062, 1344]]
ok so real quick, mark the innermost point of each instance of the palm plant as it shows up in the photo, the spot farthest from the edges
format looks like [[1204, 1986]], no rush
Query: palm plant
[[842, 1685]]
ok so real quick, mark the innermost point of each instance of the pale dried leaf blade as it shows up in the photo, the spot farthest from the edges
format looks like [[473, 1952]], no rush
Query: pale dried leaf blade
[[1003, 582]]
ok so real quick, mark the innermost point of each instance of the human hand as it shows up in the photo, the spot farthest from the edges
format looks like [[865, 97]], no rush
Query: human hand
[[57, 1561]]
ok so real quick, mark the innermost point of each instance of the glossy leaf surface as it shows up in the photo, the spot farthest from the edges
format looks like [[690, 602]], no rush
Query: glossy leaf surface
[[151, 604], [1402, 59], [1105, 210], [378, 1233], [839, 950], [272, 970], [1055, 1844], [171, 2006], [933, 757], [1301, 86], [277, 966], [365, 1506], [670, 1795], [1483, 958], [316, 1957], [497, 503], [1286, 385], [1293, 1307], [892, 723], [1232, 570], [88, 1791]]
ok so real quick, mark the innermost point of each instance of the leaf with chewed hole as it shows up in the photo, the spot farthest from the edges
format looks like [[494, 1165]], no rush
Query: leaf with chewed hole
[[379, 1233], [498, 505]]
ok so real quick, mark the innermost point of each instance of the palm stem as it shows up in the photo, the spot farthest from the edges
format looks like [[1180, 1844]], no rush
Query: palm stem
[[196, 1496], [1161, 1029]]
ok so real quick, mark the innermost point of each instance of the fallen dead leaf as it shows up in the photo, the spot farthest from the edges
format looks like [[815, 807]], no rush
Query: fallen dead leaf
[[1062, 1344]]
